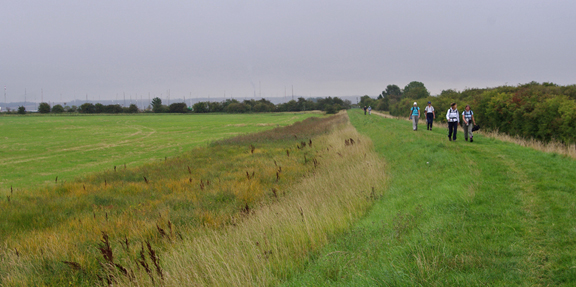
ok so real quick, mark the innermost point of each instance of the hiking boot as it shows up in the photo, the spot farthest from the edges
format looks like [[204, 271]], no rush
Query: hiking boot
[[466, 139], [471, 139]]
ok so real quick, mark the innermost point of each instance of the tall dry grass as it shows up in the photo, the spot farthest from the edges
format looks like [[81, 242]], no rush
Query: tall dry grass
[[253, 214], [274, 241], [550, 147]]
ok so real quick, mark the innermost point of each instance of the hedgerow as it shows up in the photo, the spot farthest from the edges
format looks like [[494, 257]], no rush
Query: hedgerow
[[540, 111]]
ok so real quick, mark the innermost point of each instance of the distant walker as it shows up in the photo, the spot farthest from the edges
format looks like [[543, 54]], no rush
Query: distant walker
[[414, 115]]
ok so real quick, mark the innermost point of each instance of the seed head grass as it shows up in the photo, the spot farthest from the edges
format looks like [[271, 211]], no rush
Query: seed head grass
[[51, 236]]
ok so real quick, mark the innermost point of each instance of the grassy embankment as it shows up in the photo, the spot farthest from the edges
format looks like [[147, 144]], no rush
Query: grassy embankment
[[35, 149], [244, 211], [457, 214]]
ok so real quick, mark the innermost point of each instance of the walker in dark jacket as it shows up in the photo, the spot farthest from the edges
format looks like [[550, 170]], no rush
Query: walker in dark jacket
[[453, 118]]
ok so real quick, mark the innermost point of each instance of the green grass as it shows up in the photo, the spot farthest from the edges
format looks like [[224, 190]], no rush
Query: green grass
[[166, 203], [37, 149], [457, 214]]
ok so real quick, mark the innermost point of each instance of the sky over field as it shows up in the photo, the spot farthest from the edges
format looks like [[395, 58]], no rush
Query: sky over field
[[73, 48]]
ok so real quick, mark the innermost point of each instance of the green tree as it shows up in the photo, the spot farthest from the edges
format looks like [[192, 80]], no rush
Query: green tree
[[132, 109], [200, 107], [393, 92], [260, 108], [178, 108], [44, 108], [21, 110], [332, 109], [157, 105], [383, 104], [292, 106], [57, 109], [87, 108], [113, 109], [415, 90], [367, 101], [237, 108], [99, 108], [215, 107]]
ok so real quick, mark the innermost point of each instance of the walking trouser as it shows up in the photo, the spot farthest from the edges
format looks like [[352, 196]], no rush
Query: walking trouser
[[415, 122], [452, 128], [468, 130], [429, 120]]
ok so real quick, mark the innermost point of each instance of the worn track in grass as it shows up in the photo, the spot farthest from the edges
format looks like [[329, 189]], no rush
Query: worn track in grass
[[486, 213]]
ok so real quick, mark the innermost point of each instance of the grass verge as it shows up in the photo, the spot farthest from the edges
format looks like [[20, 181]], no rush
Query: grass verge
[[552, 146]]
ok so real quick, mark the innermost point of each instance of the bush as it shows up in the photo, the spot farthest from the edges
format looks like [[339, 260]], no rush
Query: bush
[[113, 109], [200, 107], [215, 107], [261, 108], [332, 109], [178, 108], [99, 108], [57, 109], [21, 110], [87, 108], [237, 108], [383, 104], [132, 109], [44, 108]]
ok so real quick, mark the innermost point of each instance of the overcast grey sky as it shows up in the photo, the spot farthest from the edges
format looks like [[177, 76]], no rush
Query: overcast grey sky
[[70, 48]]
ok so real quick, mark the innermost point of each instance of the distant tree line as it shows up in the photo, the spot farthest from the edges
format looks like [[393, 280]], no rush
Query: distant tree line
[[543, 111], [87, 108], [329, 105]]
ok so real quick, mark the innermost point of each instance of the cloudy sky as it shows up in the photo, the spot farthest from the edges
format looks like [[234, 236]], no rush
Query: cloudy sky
[[73, 48]]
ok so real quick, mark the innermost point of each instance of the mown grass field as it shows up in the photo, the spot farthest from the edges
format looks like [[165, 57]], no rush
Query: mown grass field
[[36, 149], [242, 211], [486, 213]]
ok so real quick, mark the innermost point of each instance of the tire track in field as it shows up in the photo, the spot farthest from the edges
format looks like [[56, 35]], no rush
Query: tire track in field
[[84, 148], [534, 237]]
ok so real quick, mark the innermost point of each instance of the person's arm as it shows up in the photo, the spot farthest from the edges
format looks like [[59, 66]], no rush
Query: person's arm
[[434, 113], [448, 115], [418, 112], [473, 120], [464, 117]]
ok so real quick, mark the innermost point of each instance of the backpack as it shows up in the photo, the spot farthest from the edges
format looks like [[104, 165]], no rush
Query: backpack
[[468, 113]]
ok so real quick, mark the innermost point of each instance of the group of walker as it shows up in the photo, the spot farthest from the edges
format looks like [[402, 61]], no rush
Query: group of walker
[[452, 116], [369, 109]]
